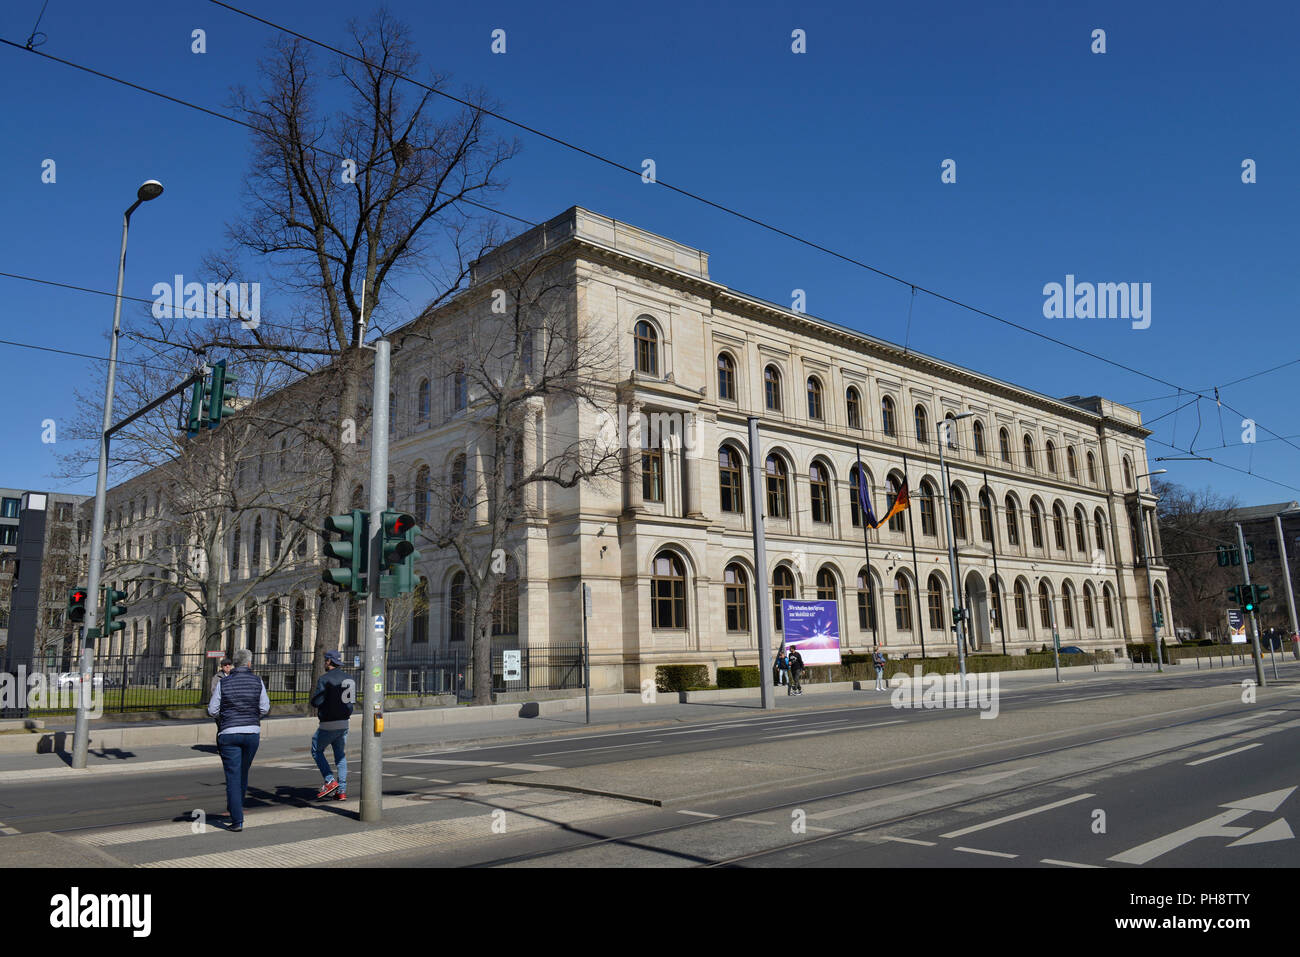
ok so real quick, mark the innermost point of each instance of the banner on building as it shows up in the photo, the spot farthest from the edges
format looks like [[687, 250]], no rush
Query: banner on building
[[1236, 626], [812, 628]]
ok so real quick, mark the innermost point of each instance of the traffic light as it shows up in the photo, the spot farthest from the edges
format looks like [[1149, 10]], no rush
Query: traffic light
[[76, 605], [352, 551], [112, 612], [397, 561], [1261, 594], [1248, 601], [1160, 619], [221, 400], [194, 421], [1250, 554], [1224, 555], [1235, 594]]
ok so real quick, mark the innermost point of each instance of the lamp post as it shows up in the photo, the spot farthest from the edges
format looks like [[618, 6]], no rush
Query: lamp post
[[1151, 585], [1286, 578], [150, 189], [958, 608]]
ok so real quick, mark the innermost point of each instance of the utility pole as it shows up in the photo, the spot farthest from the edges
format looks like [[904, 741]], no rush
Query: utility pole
[[372, 725], [1254, 625], [762, 613], [1286, 577], [958, 608]]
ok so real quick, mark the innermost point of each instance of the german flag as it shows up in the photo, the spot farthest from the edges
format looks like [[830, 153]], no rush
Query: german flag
[[900, 502]]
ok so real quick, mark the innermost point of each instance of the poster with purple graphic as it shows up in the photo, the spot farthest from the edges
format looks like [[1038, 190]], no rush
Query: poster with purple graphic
[[812, 628]]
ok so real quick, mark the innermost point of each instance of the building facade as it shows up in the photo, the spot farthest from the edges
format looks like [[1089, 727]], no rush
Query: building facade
[[38, 552], [1050, 508]]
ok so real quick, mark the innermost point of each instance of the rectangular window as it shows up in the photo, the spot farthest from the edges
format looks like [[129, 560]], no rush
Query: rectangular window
[[8, 535], [9, 508], [652, 478]]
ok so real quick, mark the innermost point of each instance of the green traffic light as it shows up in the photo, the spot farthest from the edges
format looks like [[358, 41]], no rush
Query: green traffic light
[[351, 551]]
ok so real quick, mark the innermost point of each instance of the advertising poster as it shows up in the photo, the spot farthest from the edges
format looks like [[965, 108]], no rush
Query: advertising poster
[[813, 629], [1237, 626]]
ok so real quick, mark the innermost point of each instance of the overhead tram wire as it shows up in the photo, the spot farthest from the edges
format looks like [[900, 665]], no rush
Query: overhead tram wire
[[743, 216]]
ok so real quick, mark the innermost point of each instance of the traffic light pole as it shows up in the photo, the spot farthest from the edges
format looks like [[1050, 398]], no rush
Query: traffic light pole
[[1286, 578], [1254, 625], [372, 748], [1151, 588]]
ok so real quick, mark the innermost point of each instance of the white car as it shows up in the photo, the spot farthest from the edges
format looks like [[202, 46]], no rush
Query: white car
[[71, 679]]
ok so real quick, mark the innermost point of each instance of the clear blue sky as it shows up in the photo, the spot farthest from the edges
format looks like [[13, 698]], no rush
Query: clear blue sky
[[1117, 167]]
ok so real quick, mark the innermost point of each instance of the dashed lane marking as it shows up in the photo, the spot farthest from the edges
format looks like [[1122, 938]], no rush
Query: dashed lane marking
[[1049, 860], [1015, 817], [1223, 754], [977, 850], [908, 840]]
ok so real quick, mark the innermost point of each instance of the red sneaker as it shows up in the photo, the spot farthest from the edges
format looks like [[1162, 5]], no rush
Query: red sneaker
[[326, 789], [340, 795]]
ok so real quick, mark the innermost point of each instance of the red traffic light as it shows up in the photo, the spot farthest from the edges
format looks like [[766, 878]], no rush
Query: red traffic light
[[78, 595]]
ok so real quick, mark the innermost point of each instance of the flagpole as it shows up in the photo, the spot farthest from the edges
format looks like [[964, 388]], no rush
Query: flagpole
[[866, 546], [997, 578], [916, 569]]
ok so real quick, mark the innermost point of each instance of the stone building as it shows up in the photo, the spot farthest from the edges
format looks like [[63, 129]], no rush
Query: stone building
[[1048, 489]]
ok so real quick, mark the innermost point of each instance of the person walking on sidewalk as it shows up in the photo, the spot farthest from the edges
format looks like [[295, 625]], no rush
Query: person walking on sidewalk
[[782, 668], [878, 659], [223, 669], [796, 671], [332, 700], [239, 703]]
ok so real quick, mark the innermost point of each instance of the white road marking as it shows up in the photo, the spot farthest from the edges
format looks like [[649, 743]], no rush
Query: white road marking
[[1048, 860], [1223, 754], [1015, 817], [697, 813], [856, 727], [976, 850], [6, 829], [982, 779], [1279, 830], [909, 840], [608, 747], [753, 820], [1090, 697], [512, 766]]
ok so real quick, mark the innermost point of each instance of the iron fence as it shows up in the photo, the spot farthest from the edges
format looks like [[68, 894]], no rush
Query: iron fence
[[168, 682]]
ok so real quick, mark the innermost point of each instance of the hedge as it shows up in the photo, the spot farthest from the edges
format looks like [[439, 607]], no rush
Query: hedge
[[681, 677], [742, 677]]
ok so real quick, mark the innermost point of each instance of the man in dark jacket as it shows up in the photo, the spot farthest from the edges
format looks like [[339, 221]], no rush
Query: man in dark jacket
[[239, 703], [332, 700], [796, 672]]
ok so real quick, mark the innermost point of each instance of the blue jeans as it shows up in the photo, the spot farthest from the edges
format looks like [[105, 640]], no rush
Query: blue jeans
[[237, 752], [339, 739]]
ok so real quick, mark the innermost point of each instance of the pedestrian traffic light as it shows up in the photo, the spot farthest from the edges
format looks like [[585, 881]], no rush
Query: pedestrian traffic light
[[352, 551], [76, 605], [221, 398], [399, 556], [112, 612]]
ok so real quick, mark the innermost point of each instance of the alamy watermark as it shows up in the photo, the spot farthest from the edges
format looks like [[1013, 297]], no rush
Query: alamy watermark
[[946, 691], [217, 300], [40, 691], [1103, 300], [650, 430]]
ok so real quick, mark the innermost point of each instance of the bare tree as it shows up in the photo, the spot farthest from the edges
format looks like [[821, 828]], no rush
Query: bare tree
[[1191, 528], [518, 364]]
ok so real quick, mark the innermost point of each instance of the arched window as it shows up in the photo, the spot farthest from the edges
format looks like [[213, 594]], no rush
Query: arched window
[[1110, 611], [422, 495], [1089, 617], [729, 480], [856, 477], [922, 425], [995, 602], [1099, 528], [895, 487], [736, 586], [1067, 605], [1044, 605], [459, 389], [902, 603], [888, 425], [647, 348], [778, 499], [458, 493], [178, 631], [978, 429], [986, 515], [1013, 527], [1022, 610], [934, 600], [234, 551], [1081, 531], [1036, 524], [957, 502], [302, 542], [505, 606], [1128, 473], [420, 614], [782, 587], [278, 540], [819, 493], [866, 601], [826, 588], [1051, 458], [1092, 469], [255, 563], [1059, 522], [273, 626], [298, 629], [250, 627], [1004, 444], [772, 388], [853, 406], [814, 398], [1029, 451], [456, 607], [1072, 462], [422, 402], [726, 377], [928, 525], [668, 592]]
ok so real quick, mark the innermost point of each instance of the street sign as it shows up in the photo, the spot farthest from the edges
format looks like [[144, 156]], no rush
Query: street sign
[[586, 601], [511, 665], [379, 624]]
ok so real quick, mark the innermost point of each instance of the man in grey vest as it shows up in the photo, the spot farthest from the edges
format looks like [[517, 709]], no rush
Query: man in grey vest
[[239, 703]]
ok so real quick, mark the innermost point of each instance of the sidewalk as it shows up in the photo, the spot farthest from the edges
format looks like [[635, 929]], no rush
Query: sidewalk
[[158, 747]]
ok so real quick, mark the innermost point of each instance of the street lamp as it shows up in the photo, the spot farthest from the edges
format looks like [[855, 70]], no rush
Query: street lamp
[[150, 189], [958, 608], [1151, 585]]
